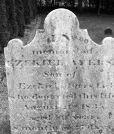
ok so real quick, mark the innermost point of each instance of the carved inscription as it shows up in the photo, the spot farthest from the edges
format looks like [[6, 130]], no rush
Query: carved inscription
[[58, 62]]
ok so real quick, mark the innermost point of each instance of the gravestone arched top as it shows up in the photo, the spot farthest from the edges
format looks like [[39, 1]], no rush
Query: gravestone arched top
[[61, 21]]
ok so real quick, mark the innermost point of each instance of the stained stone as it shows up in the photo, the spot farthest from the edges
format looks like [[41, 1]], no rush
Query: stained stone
[[62, 82]]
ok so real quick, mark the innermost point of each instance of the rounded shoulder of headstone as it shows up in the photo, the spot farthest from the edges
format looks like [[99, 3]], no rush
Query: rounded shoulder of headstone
[[15, 44], [108, 40], [107, 46], [14, 48]]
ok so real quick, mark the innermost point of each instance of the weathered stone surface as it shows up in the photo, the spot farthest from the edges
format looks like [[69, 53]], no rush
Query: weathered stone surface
[[62, 82]]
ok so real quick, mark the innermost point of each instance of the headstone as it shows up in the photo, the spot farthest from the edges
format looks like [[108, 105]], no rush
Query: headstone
[[108, 31], [62, 82]]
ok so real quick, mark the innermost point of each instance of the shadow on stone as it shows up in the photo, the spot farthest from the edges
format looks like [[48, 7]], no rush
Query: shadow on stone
[[5, 128]]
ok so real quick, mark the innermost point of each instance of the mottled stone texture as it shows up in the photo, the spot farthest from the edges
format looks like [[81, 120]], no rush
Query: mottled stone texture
[[62, 82]]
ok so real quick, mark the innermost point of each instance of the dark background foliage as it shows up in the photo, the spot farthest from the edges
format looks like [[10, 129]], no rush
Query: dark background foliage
[[14, 14]]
